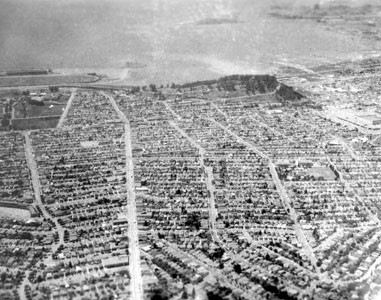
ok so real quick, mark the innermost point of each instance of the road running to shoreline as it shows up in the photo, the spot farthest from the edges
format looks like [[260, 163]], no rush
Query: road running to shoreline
[[135, 268], [279, 186], [133, 234]]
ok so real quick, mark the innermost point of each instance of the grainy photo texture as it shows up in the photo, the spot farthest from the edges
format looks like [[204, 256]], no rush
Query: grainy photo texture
[[190, 149]]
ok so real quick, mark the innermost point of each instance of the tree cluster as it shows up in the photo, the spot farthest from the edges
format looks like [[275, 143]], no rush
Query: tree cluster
[[193, 220], [35, 102], [286, 92]]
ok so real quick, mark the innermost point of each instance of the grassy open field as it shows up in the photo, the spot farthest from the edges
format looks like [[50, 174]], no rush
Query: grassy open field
[[14, 213], [33, 111], [35, 123], [322, 171], [12, 81]]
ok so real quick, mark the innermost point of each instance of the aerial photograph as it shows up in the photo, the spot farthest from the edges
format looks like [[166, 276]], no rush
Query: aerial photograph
[[190, 149]]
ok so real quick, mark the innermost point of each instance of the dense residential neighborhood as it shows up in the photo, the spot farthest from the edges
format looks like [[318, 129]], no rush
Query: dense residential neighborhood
[[226, 189]]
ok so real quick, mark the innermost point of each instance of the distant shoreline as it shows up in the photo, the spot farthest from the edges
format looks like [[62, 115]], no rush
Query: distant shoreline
[[53, 79]]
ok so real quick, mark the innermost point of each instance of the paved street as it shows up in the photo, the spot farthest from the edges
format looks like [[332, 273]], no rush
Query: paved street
[[231, 193], [133, 231], [135, 269], [37, 188], [37, 195], [209, 177], [67, 108], [282, 193]]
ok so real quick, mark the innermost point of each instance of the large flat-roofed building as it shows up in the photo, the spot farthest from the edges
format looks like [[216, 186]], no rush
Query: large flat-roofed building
[[115, 262], [368, 122], [372, 119]]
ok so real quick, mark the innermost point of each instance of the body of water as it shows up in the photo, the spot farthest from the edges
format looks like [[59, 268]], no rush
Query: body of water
[[165, 37]]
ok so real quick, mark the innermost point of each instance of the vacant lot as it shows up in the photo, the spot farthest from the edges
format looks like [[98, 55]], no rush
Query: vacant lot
[[14, 213], [9, 81], [35, 123], [322, 171], [30, 111]]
